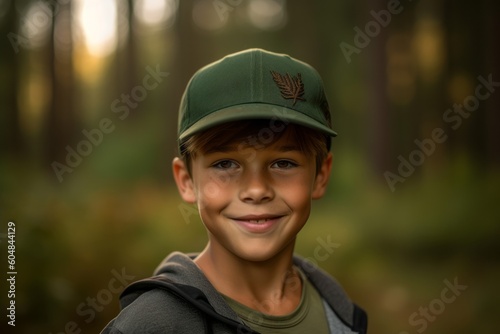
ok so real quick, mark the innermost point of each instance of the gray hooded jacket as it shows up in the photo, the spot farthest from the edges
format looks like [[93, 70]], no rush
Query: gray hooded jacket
[[180, 299]]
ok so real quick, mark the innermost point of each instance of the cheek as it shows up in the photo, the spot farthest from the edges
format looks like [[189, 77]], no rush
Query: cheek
[[297, 190], [208, 191], [297, 196], [212, 192]]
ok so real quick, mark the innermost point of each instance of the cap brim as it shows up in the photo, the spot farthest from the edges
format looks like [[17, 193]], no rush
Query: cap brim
[[255, 111]]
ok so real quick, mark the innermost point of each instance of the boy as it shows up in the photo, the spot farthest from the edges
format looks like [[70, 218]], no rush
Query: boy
[[254, 138]]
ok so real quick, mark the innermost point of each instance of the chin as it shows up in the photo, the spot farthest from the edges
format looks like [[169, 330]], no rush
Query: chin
[[258, 254], [257, 257]]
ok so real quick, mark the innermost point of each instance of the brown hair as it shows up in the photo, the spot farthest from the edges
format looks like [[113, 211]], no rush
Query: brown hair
[[257, 134]]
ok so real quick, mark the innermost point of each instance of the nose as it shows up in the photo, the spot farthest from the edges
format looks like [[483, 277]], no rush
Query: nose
[[255, 188]]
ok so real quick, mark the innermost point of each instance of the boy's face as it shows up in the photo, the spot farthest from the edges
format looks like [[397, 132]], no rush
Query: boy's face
[[253, 202]]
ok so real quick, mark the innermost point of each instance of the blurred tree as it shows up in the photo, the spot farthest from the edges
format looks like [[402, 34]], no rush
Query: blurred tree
[[62, 118], [307, 38], [491, 54], [191, 49], [465, 41], [429, 52], [378, 126], [127, 64], [12, 141]]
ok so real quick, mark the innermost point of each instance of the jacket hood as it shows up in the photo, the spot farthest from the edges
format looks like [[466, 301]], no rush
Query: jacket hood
[[181, 269], [181, 276]]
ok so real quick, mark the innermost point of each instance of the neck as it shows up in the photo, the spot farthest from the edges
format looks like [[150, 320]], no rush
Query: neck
[[271, 286]]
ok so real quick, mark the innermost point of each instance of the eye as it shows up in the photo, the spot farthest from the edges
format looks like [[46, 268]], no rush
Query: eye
[[225, 164], [284, 164]]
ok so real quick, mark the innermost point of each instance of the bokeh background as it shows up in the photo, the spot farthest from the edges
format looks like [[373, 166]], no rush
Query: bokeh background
[[68, 66]]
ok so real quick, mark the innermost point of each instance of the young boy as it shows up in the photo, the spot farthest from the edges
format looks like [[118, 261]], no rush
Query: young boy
[[254, 138]]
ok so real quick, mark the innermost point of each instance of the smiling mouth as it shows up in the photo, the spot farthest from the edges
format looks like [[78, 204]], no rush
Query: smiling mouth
[[258, 224], [256, 221]]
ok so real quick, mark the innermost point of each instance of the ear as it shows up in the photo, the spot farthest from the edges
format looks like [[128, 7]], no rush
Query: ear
[[321, 182], [183, 181]]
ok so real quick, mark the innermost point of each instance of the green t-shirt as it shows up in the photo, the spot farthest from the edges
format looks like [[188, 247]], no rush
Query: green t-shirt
[[308, 317]]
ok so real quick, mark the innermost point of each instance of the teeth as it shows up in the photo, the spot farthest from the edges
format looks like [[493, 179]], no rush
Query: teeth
[[259, 221]]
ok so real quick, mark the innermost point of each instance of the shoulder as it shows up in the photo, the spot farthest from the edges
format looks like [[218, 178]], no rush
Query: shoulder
[[334, 295], [326, 285], [157, 311]]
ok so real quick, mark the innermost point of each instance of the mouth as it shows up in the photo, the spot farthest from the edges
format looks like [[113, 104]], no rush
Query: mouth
[[257, 219], [258, 223]]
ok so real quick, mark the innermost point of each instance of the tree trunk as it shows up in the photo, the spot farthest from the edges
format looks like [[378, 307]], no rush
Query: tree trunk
[[61, 122], [12, 141]]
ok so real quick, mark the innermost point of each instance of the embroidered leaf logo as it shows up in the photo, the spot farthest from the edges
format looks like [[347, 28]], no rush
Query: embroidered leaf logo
[[290, 87]]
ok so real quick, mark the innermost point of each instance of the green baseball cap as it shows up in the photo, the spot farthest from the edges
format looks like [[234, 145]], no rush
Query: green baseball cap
[[254, 84]]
